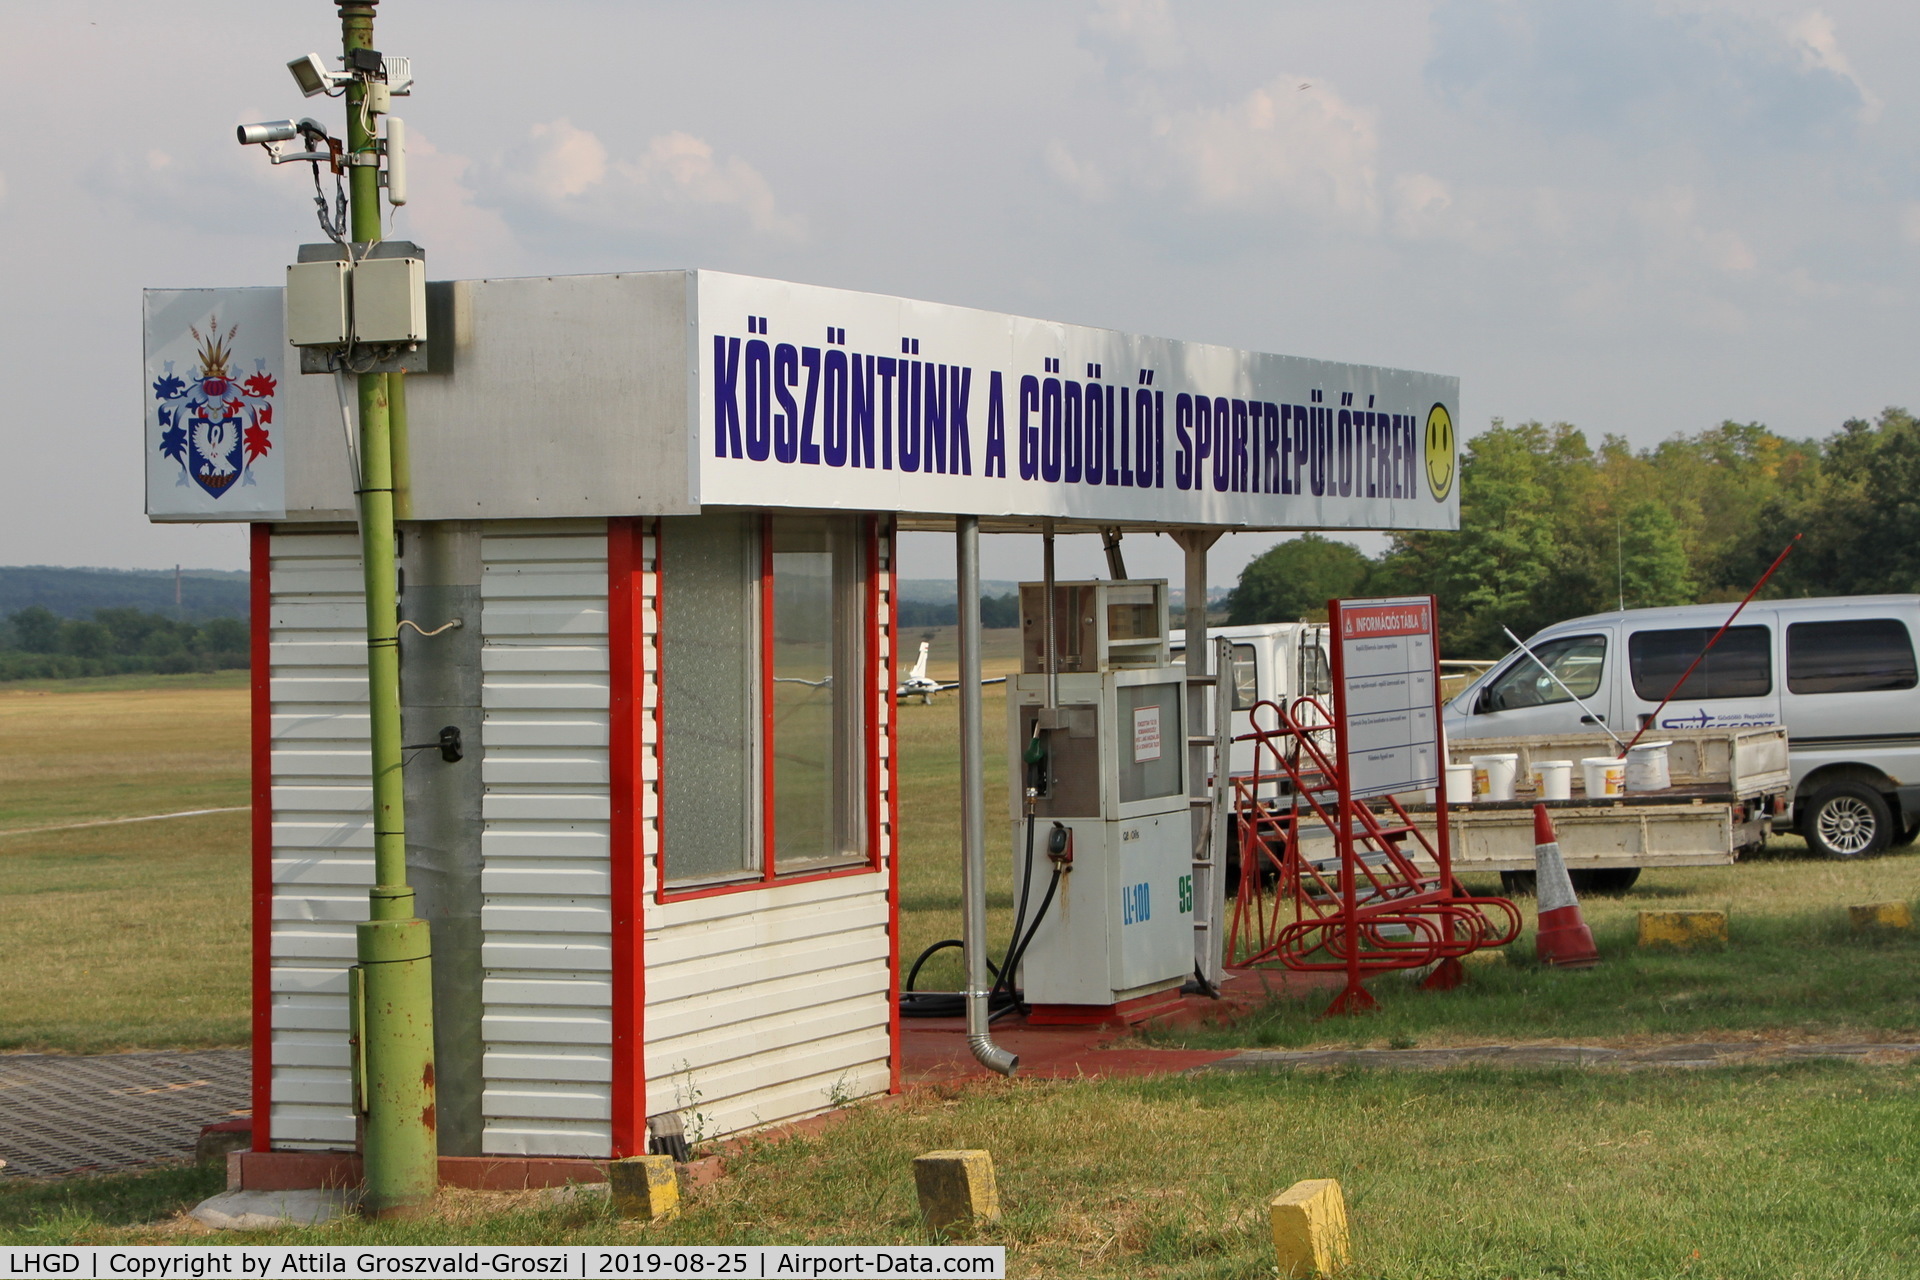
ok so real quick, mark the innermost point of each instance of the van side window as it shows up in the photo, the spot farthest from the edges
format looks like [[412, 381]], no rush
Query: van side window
[[1577, 660], [1866, 656], [1740, 666], [1246, 677]]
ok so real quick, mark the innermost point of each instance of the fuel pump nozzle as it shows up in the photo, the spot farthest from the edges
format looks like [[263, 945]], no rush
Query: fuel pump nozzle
[[1035, 757]]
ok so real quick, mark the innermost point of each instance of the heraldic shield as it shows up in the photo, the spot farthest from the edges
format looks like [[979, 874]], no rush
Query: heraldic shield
[[214, 425]]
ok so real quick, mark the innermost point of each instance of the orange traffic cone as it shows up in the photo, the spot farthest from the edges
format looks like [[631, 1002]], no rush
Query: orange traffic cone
[[1563, 938]]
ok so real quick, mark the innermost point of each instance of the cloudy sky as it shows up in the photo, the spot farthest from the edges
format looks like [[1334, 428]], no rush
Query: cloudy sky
[[1639, 217]]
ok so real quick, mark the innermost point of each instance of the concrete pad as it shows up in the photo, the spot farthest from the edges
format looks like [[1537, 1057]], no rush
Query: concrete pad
[[957, 1190], [1309, 1221], [1877, 916], [1682, 929], [267, 1210]]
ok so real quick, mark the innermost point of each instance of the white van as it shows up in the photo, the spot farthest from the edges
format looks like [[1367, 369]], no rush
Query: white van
[[1272, 662], [1839, 673]]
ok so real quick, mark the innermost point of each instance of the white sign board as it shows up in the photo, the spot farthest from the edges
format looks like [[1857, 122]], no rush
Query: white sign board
[[214, 366], [1146, 734], [1386, 694], [812, 397]]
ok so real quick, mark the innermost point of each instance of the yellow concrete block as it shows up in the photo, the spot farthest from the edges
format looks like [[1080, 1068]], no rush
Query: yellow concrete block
[[644, 1187], [957, 1190], [1881, 915], [1682, 928], [1310, 1229]]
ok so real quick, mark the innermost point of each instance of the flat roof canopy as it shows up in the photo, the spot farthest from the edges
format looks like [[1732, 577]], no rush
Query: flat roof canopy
[[659, 393]]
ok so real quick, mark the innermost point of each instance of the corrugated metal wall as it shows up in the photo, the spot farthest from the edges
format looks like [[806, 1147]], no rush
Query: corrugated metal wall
[[761, 1006], [322, 826], [766, 1004], [548, 1022]]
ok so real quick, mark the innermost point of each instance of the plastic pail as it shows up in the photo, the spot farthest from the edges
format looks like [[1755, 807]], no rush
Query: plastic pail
[[1605, 776], [1647, 767], [1553, 779], [1459, 784], [1493, 775]]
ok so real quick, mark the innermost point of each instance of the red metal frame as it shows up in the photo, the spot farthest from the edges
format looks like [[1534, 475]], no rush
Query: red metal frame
[[1378, 891], [625, 850], [260, 680], [881, 687], [768, 874]]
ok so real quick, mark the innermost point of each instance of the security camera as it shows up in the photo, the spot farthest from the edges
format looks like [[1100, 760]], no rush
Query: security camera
[[265, 132], [314, 76]]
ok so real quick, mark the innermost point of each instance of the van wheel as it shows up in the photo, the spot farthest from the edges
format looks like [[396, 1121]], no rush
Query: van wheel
[[1848, 820], [1604, 880]]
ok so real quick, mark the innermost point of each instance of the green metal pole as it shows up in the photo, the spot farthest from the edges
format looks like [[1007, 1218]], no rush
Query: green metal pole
[[395, 1055]]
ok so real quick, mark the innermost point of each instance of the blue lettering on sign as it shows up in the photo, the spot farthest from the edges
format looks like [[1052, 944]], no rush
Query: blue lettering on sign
[[1136, 903], [823, 406]]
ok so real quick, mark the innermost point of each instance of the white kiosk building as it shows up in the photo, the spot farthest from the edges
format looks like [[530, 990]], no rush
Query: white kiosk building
[[647, 552]]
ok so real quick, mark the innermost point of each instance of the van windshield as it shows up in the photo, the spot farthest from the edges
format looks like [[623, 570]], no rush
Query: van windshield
[[1576, 660]]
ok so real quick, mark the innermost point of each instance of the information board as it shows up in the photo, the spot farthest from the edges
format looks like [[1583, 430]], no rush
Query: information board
[[1386, 694]]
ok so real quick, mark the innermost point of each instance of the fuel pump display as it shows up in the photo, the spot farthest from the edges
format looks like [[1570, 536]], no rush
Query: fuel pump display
[[1097, 738]]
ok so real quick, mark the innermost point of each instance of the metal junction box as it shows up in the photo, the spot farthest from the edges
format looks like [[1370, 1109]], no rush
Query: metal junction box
[[390, 300], [1121, 923], [318, 299]]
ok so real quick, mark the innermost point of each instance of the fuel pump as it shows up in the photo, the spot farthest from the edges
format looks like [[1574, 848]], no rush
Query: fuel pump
[[1097, 736]]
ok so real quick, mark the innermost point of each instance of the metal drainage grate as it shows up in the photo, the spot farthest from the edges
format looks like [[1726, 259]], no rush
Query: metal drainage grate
[[65, 1115]]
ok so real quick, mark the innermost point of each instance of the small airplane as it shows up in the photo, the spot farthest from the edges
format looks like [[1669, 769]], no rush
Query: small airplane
[[918, 682]]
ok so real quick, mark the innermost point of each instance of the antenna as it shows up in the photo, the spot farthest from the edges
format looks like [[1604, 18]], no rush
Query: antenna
[[1619, 565]]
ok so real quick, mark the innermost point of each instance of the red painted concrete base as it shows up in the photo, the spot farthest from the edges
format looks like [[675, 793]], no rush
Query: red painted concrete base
[[1126, 1013]]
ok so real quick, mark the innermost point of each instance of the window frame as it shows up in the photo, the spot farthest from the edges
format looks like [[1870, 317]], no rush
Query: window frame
[[874, 692], [1525, 661]]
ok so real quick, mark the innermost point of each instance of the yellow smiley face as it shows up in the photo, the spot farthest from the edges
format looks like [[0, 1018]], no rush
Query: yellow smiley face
[[1439, 451]]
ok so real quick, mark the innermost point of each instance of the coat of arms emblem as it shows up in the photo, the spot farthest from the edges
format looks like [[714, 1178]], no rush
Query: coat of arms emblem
[[214, 424]]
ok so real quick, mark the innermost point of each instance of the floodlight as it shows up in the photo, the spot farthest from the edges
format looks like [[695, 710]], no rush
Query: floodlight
[[313, 75]]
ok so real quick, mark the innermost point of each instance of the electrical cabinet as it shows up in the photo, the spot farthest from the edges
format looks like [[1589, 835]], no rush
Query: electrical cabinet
[[1107, 760], [390, 300], [319, 298]]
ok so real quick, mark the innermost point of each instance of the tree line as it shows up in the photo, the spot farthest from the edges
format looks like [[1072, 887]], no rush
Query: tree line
[[38, 644], [1553, 527]]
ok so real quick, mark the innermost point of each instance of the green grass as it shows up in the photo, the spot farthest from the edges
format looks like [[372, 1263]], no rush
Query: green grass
[[130, 936], [1804, 1171], [1792, 968]]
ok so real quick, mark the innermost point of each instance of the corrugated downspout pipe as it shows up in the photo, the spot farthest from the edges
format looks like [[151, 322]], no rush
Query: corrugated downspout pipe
[[973, 815]]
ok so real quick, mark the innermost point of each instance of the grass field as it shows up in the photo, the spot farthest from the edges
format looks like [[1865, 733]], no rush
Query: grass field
[[1742, 1174]]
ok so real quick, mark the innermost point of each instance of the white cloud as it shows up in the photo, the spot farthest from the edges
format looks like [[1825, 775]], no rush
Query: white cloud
[[1080, 176], [1420, 204], [443, 213], [1292, 143], [1813, 35], [677, 184], [1141, 32]]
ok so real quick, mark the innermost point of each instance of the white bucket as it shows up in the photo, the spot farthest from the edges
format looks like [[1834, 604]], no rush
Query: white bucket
[[1647, 767], [1459, 784], [1493, 775], [1553, 779], [1605, 776]]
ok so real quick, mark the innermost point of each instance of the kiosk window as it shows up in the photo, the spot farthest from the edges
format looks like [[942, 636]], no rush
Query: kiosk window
[[1576, 660], [1867, 656], [763, 624], [1740, 666]]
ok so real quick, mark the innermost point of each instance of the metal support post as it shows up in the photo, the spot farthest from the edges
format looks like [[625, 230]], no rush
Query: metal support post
[[1208, 852], [398, 1141], [973, 812]]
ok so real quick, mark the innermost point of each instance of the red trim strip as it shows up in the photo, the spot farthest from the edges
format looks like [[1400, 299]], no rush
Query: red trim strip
[[625, 756], [259, 660], [889, 841], [768, 843]]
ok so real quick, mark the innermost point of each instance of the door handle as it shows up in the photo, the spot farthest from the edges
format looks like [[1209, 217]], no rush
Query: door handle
[[1593, 719]]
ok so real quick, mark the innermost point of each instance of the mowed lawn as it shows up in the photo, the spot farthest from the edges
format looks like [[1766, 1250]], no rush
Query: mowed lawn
[[135, 935]]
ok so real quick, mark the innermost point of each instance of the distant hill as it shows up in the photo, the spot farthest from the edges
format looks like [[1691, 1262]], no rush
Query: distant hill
[[76, 593]]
